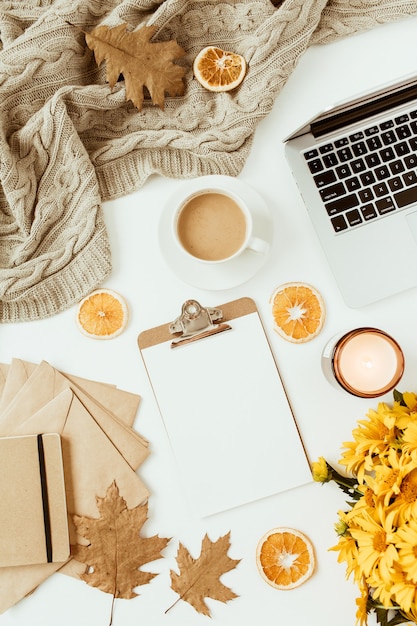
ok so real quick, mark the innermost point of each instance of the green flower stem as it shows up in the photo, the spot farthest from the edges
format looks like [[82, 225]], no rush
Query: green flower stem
[[348, 485], [382, 613]]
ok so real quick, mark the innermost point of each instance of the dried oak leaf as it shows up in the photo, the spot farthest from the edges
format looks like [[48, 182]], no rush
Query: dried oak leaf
[[142, 63], [116, 550], [199, 578]]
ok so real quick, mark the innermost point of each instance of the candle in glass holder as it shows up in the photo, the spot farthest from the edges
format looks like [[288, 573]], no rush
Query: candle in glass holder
[[366, 362]]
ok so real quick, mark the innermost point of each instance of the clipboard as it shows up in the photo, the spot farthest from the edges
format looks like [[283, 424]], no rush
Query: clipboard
[[224, 406]]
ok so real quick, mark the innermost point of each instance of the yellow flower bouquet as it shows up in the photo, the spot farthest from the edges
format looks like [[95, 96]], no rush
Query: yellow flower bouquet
[[377, 536]]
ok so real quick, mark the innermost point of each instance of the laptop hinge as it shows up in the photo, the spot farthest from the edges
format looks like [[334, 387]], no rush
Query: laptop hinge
[[357, 113]]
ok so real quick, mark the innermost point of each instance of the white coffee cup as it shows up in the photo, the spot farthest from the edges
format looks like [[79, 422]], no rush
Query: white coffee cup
[[214, 225]]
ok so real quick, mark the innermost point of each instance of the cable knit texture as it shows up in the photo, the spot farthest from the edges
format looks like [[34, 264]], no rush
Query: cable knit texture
[[68, 142]]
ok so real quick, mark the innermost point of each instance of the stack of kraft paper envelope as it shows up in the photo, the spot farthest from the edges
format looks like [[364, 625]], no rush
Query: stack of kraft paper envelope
[[94, 422]]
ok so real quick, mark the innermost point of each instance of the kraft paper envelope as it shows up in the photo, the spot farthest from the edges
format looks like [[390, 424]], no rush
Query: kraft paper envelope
[[43, 385], [111, 422], [4, 368], [122, 403], [91, 464], [17, 374], [18, 582]]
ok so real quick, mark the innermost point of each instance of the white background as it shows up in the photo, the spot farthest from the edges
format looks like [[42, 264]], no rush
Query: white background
[[324, 414]]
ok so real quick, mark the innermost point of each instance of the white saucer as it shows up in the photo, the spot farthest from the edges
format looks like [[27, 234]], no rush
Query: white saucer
[[220, 275]]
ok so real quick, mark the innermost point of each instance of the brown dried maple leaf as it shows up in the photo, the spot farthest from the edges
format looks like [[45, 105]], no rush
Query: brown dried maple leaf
[[116, 550], [199, 578], [142, 63]]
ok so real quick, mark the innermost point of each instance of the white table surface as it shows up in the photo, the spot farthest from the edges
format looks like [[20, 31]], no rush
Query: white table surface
[[325, 415]]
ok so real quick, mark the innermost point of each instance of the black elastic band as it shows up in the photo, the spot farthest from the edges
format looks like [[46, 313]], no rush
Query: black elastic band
[[45, 501]]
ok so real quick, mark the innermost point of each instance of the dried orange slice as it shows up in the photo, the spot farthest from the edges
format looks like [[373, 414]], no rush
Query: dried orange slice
[[218, 70], [103, 314], [298, 312], [285, 558]]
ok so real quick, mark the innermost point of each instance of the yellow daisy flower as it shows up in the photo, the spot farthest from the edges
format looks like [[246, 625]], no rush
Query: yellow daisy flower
[[379, 430], [377, 536], [410, 400], [365, 506], [404, 593], [407, 549], [406, 406], [356, 463], [320, 471], [405, 504], [388, 475], [347, 549], [342, 527], [376, 543], [361, 603], [409, 439], [373, 436], [412, 613], [381, 589]]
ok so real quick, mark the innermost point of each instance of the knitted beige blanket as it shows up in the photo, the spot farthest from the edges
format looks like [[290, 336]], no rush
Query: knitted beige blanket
[[68, 142]]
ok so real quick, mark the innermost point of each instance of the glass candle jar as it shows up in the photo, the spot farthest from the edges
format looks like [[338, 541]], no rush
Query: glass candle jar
[[366, 362]]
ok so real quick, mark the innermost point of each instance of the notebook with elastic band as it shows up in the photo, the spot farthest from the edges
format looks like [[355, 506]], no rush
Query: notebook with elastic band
[[33, 511]]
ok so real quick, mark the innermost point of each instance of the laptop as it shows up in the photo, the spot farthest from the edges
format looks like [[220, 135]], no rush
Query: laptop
[[355, 165]]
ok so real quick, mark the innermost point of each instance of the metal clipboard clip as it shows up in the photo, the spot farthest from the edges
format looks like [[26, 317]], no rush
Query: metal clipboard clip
[[196, 322]]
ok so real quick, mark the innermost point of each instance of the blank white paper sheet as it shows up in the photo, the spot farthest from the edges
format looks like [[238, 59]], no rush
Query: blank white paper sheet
[[227, 416]]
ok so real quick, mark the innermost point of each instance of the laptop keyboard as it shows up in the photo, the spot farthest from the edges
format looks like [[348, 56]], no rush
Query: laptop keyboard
[[367, 174]]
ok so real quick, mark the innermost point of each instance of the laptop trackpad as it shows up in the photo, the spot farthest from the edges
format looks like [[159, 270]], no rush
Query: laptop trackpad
[[412, 222]]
